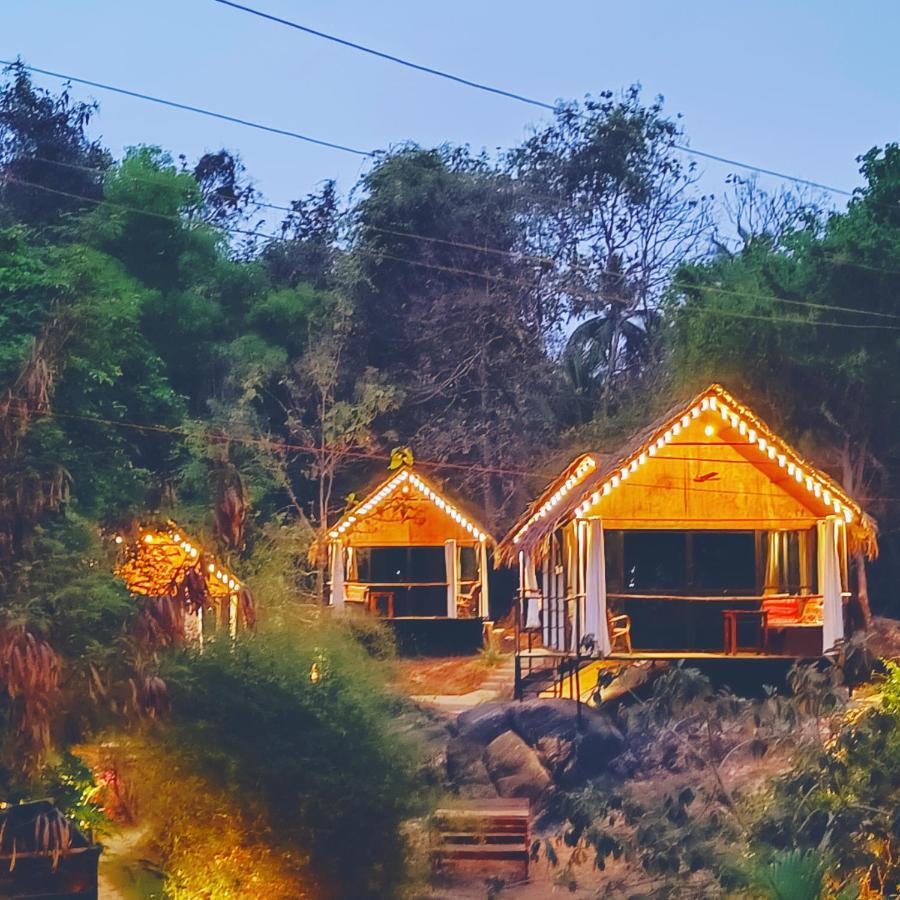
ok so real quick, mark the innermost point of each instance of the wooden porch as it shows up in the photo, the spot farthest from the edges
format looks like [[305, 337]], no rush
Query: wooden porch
[[555, 657]]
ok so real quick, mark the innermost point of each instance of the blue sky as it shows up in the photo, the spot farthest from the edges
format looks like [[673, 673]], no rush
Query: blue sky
[[794, 85]]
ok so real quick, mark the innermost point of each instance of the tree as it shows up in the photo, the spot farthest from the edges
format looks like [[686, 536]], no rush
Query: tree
[[608, 199], [447, 311], [43, 142], [806, 323]]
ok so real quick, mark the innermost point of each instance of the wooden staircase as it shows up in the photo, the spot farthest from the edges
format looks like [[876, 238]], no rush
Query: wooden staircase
[[485, 832]]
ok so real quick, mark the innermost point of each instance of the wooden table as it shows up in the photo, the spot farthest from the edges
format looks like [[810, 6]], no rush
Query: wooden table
[[730, 623]]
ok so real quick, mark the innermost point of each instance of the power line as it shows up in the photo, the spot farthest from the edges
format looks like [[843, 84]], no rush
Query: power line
[[139, 95], [428, 70], [220, 434], [515, 254], [517, 282], [521, 98], [271, 129]]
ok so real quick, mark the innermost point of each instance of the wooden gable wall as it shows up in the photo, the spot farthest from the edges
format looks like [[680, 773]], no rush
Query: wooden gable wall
[[715, 480]]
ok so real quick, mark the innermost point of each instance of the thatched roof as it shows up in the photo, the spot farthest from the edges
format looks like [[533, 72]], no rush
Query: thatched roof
[[37, 829], [556, 505], [384, 490], [153, 561]]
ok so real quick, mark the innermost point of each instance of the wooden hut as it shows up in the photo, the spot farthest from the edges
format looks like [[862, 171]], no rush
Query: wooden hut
[[407, 552], [42, 854], [706, 535], [165, 562]]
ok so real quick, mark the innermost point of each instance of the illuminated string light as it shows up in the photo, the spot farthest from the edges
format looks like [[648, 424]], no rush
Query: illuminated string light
[[160, 555], [405, 479], [745, 425], [584, 468]]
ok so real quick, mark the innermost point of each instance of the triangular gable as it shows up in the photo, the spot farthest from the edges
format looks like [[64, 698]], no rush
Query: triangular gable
[[716, 462], [811, 493], [365, 521]]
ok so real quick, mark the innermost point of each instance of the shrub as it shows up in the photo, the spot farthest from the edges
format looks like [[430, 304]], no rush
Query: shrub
[[298, 726]]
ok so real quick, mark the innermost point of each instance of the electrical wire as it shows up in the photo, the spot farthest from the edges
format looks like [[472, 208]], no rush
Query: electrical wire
[[187, 107], [217, 434], [515, 255], [521, 98], [222, 436], [518, 283], [139, 95], [389, 57]]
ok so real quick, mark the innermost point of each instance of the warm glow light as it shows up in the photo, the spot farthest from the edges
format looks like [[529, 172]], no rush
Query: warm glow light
[[158, 561], [739, 419]]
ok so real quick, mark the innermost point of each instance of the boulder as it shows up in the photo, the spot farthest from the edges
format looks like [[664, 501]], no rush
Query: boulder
[[597, 745], [534, 719], [466, 770], [483, 723], [557, 754], [571, 754], [515, 767]]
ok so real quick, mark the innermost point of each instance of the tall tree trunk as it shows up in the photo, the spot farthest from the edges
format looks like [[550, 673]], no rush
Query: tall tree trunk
[[852, 479], [862, 588]]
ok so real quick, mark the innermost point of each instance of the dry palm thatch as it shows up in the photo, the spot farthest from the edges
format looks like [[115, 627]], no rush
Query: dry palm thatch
[[37, 828], [30, 673]]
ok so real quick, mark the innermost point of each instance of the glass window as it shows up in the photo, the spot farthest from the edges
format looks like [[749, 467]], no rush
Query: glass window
[[468, 564], [426, 564], [387, 565], [654, 560], [724, 562]]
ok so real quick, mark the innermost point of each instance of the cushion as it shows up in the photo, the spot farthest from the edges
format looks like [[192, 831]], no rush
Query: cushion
[[782, 610]]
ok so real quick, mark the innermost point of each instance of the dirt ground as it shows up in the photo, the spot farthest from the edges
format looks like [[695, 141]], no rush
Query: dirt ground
[[448, 675]]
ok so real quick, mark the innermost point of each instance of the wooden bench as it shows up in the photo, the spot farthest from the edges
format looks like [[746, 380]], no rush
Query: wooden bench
[[486, 831]]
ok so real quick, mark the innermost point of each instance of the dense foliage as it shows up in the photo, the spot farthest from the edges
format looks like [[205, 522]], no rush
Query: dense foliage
[[296, 731]]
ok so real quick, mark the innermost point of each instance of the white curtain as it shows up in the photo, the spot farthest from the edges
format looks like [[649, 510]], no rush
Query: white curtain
[[484, 606], [830, 585], [546, 581], [572, 585], [338, 594], [595, 620], [451, 566], [531, 593]]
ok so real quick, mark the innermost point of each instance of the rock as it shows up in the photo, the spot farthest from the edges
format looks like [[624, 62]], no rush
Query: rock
[[466, 769], [483, 723], [534, 719], [515, 767], [572, 755], [557, 754], [597, 745]]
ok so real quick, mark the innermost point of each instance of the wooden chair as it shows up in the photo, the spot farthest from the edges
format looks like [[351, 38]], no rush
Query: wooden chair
[[467, 602], [381, 603], [619, 630]]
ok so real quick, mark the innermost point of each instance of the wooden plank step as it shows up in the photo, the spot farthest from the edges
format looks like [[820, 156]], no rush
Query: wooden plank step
[[485, 853], [495, 806], [485, 828], [470, 838], [482, 819]]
